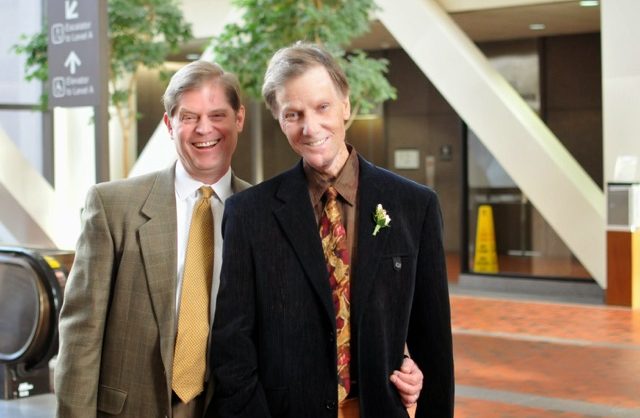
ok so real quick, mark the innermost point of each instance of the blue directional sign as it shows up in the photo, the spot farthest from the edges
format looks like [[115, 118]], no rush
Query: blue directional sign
[[74, 46]]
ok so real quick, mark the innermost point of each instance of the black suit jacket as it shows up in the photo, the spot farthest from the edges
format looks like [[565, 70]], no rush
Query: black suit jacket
[[274, 351]]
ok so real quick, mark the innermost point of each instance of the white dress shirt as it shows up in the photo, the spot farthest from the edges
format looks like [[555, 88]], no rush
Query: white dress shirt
[[187, 194]]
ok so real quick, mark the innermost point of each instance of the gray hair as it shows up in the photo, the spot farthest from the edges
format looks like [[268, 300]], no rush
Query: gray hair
[[192, 76], [293, 61]]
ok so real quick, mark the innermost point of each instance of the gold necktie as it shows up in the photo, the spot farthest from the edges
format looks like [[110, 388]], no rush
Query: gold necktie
[[189, 360], [336, 254]]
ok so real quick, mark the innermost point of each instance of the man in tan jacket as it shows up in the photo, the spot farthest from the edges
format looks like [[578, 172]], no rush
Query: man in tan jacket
[[120, 314]]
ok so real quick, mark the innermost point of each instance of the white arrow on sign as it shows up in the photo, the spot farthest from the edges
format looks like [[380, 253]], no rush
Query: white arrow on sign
[[70, 11], [72, 62]]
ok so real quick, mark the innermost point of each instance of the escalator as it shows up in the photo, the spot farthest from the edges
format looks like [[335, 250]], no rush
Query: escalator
[[31, 291]]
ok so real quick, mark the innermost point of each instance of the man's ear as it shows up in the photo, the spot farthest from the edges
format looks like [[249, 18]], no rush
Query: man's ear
[[167, 123], [346, 108], [240, 118]]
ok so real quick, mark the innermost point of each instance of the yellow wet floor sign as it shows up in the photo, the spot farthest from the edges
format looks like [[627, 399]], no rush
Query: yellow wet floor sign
[[485, 259]]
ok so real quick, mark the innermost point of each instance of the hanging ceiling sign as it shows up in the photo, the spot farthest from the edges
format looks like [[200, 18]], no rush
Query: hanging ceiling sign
[[74, 52]]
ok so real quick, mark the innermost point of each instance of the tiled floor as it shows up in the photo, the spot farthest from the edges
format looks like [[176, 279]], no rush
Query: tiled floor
[[535, 359]]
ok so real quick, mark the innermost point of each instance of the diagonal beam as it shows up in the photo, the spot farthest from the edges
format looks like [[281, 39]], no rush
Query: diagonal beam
[[544, 170], [29, 208]]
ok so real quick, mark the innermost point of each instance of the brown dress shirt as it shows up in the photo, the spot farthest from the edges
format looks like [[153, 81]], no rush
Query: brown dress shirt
[[346, 183], [347, 186]]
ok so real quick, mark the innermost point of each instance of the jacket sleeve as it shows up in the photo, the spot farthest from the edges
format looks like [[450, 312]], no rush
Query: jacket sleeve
[[238, 392], [83, 315], [429, 339]]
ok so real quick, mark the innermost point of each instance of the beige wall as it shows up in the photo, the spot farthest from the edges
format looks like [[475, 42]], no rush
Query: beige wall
[[621, 83]]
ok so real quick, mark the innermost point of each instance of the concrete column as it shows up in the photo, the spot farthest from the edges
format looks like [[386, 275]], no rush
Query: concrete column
[[621, 113], [620, 83]]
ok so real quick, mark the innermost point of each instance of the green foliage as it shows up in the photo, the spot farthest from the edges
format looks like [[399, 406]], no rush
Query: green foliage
[[268, 25], [35, 48], [369, 87], [141, 32]]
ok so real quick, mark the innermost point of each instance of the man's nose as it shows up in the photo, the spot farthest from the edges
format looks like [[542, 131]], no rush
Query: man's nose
[[204, 126], [311, 125]]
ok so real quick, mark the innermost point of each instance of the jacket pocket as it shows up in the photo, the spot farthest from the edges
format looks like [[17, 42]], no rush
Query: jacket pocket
[[398, 263], [111, 400]]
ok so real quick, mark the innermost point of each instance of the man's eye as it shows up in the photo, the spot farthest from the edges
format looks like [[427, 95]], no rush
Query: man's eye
[[291, 116], [216, 116], [188, 118], [324, 106]]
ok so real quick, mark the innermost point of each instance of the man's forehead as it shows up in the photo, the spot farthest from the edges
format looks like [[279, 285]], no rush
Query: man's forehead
[[212, 87], [216, 100]]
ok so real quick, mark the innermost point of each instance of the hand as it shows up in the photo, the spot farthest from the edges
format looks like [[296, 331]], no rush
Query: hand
[[408, 381]]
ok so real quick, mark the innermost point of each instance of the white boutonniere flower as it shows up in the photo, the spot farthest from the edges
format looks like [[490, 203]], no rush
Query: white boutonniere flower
[[381, 219]]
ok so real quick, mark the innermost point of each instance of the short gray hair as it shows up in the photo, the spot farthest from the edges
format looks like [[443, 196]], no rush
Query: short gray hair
[[293, 61], [192, 76]]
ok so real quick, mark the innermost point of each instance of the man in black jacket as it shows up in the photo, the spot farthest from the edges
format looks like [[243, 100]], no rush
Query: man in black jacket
[[328, 270]]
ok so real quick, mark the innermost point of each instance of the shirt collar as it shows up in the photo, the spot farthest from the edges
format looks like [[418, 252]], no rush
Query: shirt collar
[[187, 186], [346, 183]]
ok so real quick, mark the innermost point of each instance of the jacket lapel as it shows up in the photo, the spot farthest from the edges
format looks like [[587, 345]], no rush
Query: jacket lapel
[[294, 213], [369, 248], [237, 184], [158, 246]]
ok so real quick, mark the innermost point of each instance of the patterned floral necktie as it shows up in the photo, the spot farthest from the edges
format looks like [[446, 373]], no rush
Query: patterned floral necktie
[[189, 359], [336, 255]]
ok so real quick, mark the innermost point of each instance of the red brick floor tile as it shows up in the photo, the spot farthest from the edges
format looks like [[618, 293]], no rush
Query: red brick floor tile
[[581, 322], [474, 408], [591, 374], [558, 351]]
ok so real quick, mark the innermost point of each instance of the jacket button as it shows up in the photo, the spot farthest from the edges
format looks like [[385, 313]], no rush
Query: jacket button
[[332, 337], [330, 405]]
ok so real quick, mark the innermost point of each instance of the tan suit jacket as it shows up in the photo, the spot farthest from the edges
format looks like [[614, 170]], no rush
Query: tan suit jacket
[[118, 319]]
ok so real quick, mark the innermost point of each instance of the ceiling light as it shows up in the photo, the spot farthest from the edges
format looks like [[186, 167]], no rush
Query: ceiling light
[[537, 26], [589, 3]]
